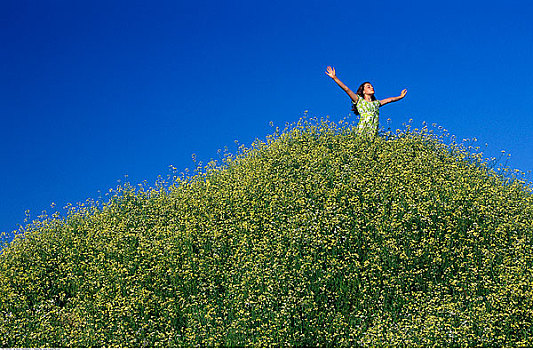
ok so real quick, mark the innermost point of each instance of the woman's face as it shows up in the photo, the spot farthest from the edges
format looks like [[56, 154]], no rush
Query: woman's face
[[368, 89]]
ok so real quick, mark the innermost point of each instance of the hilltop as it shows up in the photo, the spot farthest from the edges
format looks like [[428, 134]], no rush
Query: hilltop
[[313, 238]]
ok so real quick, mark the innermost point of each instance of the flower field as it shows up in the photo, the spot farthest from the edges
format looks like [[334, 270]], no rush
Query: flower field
[[314, 237]]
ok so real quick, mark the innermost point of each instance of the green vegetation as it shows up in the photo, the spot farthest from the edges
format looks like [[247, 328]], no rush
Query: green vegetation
[[315, 237]]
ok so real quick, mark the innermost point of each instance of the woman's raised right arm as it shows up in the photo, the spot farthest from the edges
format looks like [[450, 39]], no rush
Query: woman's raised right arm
[[330, 71]]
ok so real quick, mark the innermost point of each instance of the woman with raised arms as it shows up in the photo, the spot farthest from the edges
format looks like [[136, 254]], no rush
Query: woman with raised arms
[[365, 104]]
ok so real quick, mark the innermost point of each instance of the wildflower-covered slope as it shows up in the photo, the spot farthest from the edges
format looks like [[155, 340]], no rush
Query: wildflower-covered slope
[[314, 238]]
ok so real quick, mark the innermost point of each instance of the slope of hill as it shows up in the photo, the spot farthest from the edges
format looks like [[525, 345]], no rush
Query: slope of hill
[[313, 238]]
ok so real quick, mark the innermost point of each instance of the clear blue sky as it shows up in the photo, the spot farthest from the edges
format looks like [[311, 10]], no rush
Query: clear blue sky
[[95, 90]]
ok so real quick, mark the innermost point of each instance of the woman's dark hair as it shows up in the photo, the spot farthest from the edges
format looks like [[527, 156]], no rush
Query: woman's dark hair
[[361, 95]]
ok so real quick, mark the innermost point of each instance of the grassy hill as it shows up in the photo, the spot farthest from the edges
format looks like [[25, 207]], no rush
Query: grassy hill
[[313, 238]]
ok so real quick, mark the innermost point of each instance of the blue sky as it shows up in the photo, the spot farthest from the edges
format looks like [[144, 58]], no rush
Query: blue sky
[[95, 90]]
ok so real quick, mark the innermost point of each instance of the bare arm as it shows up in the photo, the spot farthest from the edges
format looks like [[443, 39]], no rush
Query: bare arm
[[393, 99], [331, 73]]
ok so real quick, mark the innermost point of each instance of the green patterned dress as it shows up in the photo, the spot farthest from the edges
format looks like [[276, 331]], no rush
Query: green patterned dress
[[368, 116]]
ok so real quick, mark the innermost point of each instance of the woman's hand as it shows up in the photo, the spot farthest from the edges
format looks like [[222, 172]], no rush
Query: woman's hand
[[330, 71], [393, 99]]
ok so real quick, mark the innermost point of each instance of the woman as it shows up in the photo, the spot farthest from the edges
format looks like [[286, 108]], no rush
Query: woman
[[365, 104]]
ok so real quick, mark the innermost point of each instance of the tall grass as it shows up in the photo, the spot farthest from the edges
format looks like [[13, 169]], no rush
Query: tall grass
[[313, 237]]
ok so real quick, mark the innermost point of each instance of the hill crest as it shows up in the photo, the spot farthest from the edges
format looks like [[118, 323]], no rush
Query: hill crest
[[315, 237]]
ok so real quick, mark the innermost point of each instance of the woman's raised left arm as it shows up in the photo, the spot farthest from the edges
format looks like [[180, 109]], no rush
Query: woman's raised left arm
[[393, 99]]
